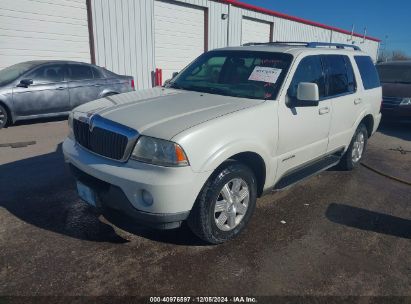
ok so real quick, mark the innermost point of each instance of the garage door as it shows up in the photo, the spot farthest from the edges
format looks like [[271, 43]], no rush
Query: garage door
[[38, 29], [255, 31], [179, 36]]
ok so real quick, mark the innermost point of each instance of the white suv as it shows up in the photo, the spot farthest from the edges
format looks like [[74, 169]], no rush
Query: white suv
[[234, 124]]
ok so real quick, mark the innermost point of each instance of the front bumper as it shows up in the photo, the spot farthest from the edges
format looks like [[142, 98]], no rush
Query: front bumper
[[174, 190]]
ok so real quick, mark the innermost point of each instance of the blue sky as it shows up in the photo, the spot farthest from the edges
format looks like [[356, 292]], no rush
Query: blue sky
[[381, 17]]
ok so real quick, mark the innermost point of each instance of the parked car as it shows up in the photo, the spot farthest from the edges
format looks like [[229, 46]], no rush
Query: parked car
[[236, 123], [35, 89], [396, 89]]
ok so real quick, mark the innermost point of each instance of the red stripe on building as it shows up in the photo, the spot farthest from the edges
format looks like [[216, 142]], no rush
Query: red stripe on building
[[292, 18]]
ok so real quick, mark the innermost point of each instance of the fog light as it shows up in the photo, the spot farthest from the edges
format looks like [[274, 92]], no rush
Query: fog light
[[147, 197]]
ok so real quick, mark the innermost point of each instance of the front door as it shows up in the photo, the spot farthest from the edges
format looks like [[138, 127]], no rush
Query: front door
[[47, 95], [303, 131]]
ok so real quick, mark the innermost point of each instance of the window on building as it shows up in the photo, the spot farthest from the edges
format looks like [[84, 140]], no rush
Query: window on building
[[368, 72], [309, 70], [47, 74]]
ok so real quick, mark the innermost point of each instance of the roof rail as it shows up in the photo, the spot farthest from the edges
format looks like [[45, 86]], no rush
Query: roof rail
[[306, 44]]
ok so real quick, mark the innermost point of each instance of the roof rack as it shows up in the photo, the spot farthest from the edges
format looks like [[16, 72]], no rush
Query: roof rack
[[306, 44]]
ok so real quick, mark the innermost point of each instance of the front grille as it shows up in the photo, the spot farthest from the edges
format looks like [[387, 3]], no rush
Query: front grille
[[100, 140], [391, 102]]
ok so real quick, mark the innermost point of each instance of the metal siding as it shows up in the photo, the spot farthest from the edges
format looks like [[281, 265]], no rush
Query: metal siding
[[134, 19], [123, 34], [178, 35], [36, 29]]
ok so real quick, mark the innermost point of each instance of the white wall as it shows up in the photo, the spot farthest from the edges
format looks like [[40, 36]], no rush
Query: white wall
[[41, 29], [125, 43]]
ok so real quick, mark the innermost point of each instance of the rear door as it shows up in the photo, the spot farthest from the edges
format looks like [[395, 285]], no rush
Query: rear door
[[346, 100], [48, 94], [83, 84]]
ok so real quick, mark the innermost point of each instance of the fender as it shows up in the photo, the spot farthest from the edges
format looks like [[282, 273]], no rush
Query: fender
[[236, 147]]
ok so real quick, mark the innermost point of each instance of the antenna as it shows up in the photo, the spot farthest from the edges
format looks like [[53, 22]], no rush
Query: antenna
[[352, 33], [365, 35]]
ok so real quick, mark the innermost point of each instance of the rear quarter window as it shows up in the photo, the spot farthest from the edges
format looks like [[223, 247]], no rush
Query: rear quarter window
[[368, 72]]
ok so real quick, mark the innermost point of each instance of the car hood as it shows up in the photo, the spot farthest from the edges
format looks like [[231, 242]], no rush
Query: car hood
[[396, 90], [162, 112]]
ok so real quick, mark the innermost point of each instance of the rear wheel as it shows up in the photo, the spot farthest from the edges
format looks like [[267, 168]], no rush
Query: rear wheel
[[355, 151], [225, 204], [3, 116]]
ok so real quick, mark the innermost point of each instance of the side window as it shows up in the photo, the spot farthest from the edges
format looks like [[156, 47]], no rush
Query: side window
[[338, 75], [368, 72], [309, 70], [352, 83], [47, 74], [79, 72], [97, 73]]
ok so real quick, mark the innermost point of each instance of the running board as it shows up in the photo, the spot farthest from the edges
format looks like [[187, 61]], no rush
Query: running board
[[307, 171]]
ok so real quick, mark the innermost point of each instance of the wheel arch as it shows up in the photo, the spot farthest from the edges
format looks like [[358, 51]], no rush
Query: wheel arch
[[368, 121], [257, 164], [9, 112]]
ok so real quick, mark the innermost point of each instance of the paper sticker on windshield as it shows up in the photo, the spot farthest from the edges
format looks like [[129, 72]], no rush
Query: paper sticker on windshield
[[265, 74]]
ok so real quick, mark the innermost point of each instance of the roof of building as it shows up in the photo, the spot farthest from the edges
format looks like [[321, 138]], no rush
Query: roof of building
[[293, 18]]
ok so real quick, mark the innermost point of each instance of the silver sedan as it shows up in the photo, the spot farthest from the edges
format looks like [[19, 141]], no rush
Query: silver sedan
[[35, 89]]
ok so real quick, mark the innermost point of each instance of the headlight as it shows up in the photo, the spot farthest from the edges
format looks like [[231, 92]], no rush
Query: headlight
[[406, 102], [70, 125], [159, 152]]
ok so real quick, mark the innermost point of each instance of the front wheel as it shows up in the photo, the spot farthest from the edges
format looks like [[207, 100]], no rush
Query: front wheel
[[225, 204], [3, 117], [355, 151]]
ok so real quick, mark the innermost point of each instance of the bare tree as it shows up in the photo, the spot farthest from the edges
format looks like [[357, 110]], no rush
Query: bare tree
[[399, 55]]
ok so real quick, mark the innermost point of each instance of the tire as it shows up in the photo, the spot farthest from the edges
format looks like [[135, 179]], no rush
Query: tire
[[352, 157], [4, 117], [210, 207]]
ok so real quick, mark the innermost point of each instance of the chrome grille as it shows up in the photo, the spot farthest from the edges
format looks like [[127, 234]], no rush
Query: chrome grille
[[104, 137], [391, 102]]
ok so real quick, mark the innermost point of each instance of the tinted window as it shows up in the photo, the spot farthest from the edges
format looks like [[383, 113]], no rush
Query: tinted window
[[247, 74], [97, 73], [395, 73], [13, 72], [309, 70], [80, 72], [352, 83], [47, 74], [340, 77], [368, 72]]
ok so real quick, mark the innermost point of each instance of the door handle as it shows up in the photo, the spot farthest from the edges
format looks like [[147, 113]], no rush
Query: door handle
[[60, 88], [324, 110], [357, 101]]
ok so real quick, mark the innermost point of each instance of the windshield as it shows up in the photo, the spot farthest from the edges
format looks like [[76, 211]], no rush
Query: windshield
[[247, 74], [12, 72], [395, 73]]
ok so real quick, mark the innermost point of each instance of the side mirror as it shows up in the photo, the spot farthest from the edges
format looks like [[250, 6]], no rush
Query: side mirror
[[308, 94], [174, 74], [166, 83], [24, 83]]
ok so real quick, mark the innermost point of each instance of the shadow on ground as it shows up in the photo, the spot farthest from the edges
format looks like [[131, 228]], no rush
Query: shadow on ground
[[41, 191], [38, 121], [394, 129], [369, 220]]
